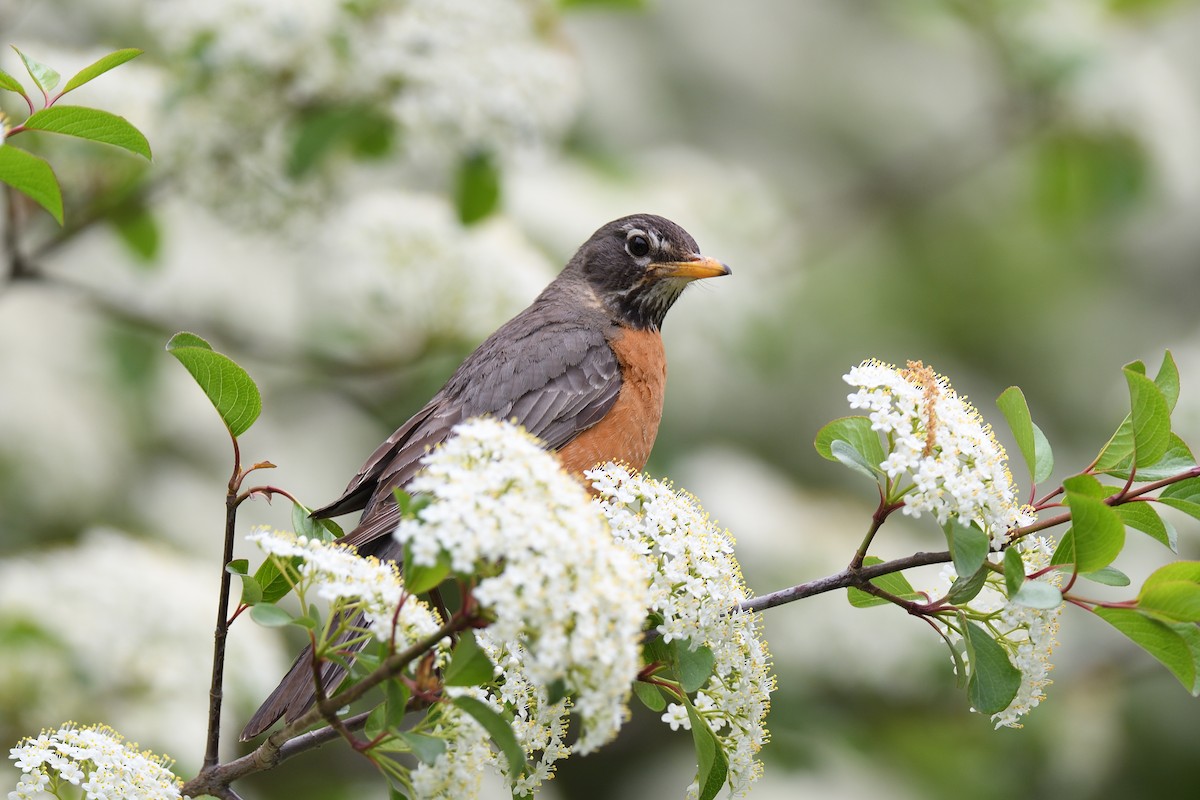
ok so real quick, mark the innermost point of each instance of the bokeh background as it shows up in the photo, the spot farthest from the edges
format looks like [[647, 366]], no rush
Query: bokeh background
[[346, 197]]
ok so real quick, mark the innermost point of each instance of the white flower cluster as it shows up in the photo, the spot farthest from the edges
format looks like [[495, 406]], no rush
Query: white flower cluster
[[696, 584], [455, 76], [936, 438], [458, 772], [96, 759], [1027, 634], [541, 728], [562, 592], [410, 272], [353, 583], [132, 622]]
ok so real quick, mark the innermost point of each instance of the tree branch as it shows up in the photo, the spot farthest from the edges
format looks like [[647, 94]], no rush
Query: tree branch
[[214, 779], [842, 580]]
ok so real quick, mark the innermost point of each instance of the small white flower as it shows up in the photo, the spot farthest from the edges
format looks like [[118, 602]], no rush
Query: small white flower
[[114, 767], [940, 442], [349, 582], [568, 601], [1027, 634], [677, 717], [696, 582]]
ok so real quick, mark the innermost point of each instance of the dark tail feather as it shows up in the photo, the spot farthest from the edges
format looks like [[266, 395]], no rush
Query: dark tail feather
[[294, 694]]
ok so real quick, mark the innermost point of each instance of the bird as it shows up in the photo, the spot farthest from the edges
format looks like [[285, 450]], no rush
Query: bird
[[582, 368]]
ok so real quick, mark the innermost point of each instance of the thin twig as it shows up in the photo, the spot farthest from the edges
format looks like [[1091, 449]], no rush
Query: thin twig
[[216, 690]]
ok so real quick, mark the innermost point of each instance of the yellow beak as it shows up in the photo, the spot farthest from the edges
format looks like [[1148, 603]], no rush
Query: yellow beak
[[693, 269]]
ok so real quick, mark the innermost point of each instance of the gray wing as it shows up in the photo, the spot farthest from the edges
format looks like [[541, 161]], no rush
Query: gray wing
[[556, 379]]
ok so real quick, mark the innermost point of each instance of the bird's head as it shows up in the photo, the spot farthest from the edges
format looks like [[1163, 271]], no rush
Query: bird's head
[[638, 265]]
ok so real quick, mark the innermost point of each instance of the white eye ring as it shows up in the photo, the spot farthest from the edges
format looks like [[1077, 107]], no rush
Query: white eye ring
[[638, 244]]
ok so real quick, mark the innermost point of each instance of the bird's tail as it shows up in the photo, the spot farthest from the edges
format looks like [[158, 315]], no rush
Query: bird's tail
[[296, 693]]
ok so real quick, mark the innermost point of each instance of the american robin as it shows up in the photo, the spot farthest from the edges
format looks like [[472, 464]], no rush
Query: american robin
[[582, 368]]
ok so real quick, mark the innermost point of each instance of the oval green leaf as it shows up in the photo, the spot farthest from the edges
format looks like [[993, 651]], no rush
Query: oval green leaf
[[695, 666], [712, 765], [1157, 638], [1098, 534], [45, 78], [229, 387], [968, 546], [10, 83], [1151, 418], [270, 615], [994, 680], [1014, 571], [92, 124], [893, 583], [500, 731], [33, 177], [1012, 404], [860, 448], [469, 665], [99, 67], [1038, 594]]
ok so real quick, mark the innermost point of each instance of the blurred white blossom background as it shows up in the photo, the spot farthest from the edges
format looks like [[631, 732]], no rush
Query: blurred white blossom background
[[346, 197]]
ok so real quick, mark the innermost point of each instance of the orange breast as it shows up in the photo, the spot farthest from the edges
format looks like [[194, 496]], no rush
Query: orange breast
[[627, 431]]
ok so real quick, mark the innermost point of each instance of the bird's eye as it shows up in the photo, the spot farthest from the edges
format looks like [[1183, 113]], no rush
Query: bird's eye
[[638, 245]]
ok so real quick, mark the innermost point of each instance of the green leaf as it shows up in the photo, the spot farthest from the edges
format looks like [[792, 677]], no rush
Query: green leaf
[[695, 666], [857, 437], [139, 232], [228, 386], [477, 188], [363, 130], [1038, 594], [1177, 458], [1109, 576], [499, 729], [33, 177], [1043, 456], [45, 78], [239, 566], [270, 615], [1151, 418], [98, 68], [1117, 453], [1157, 638], [1016, 410], [395, 703], [968, 546], [1173, 591], [967, 588], [1014, 571], [1167, 380], [469, 664], [712, 766], [556, 690], [1191, 636], [92, 124], [427, 749], [1178, 601], [275, 583], [1098, 534], [1187, 490], [10, 83], [994, 680], [304, 524], [1143, 517], [419, 578], [251, 592], [1175, 571], [893, 583], [650, 695]]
